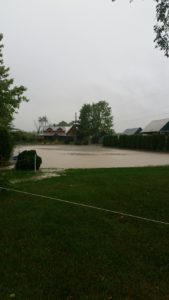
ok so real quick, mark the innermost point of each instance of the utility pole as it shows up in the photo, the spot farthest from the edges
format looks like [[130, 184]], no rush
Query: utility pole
[[75, 118]]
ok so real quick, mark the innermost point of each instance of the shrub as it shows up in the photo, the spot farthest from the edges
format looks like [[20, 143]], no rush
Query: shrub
[[123, 141], [5, 146], [114, 140], [167, 143], [26, 160], [157, 142], [24, 137], [67, 142], [85, 142], [106, 142], [161, 142], [78, 143]]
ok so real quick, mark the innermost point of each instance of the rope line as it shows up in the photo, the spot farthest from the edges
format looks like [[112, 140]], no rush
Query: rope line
[[87, 206]]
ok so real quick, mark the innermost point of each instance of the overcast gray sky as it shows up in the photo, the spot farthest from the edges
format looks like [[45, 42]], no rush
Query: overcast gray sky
[[71, 52]]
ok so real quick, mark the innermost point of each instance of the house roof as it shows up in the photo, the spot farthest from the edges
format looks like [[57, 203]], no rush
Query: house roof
[[55, 128], [130, 131], [157, 126]]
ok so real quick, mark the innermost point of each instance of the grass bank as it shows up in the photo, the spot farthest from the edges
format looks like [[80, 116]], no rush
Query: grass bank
[[52, 250]]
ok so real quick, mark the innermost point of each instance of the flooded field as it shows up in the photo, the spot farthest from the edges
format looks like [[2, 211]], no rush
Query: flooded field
[[70, 156]]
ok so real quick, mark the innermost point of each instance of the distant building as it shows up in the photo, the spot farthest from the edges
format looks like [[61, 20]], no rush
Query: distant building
[[157, 126], [131, 131], [52, 133]]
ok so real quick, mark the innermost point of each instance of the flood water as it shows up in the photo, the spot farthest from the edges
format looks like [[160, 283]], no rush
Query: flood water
[[71, 156]]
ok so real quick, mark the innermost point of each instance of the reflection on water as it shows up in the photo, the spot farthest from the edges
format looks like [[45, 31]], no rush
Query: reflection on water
[[70, 156]]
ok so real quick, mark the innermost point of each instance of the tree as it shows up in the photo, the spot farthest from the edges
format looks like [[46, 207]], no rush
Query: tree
[[85, 122], [95, 121], [63, 124], [10, 96], [42, 123], [45, 120], [102, 119], [161, 28], [5, 145], [40, 120]]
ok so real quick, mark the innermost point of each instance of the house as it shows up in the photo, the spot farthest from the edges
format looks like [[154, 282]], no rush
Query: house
[[52, 133], [157, 126], [71, 131], [131, 131]]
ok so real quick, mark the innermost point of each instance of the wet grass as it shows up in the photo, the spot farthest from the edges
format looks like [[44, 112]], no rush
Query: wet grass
[[52, 250]]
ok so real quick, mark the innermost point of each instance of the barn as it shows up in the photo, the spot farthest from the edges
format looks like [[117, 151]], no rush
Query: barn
[[157, 127]]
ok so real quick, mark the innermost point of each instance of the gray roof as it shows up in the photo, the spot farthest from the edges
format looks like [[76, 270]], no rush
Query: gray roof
[[55, 128], [130, 131], [157, 126]]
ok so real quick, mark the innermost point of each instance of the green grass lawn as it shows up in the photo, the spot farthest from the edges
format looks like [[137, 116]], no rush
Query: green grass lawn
[[53, 250]]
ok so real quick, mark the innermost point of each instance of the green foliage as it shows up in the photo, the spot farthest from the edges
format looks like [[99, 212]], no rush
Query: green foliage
[[5, 146], [161, 28], [122, 141], [53, 250], [102, 120], [5, 183], [95, 121], [26, 160], [64, 123], [10, 96], [85, 122], [156, 142], [24, 137], [110, 141]]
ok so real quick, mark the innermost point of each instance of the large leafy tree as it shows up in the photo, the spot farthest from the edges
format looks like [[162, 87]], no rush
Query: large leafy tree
[[5, 145], [95, 121], [102, 119], [10, 96], [85, 122], [161, 27]]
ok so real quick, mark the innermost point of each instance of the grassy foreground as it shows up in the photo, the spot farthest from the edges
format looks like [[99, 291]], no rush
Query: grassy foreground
[[51, 250]]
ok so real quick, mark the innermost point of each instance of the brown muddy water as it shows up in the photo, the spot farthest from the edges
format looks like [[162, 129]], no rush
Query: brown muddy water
[[70, 156]]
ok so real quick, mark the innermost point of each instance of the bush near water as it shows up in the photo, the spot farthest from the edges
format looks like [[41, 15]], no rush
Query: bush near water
[[6, 146], [157, 142], [26, 160]]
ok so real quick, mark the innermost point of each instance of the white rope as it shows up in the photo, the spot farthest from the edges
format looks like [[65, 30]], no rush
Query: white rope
[[87, 206]]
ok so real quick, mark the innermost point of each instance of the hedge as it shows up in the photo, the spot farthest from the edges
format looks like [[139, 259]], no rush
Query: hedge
[[157, 142]]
